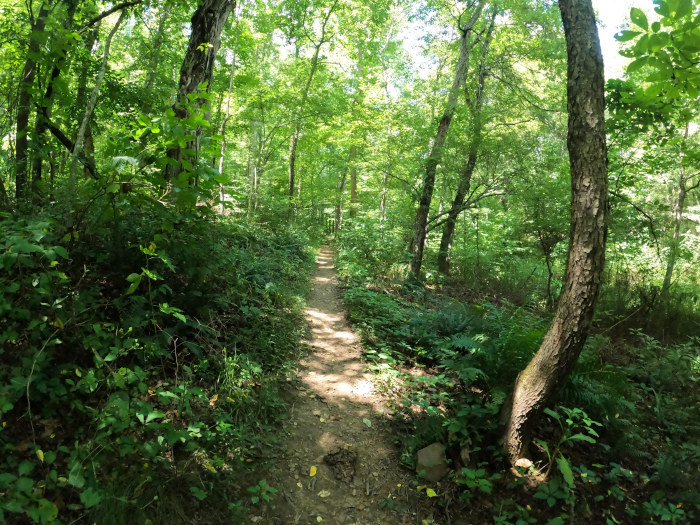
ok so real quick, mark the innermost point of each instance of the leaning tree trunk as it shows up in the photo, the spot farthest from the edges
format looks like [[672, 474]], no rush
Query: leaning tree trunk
[[448, 230], [420, 224], [92, 101], [198, 65], [549, 368]]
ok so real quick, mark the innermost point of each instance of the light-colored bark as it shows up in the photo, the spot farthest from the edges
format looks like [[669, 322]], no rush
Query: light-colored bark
[[92, 102], [475, 106], [420, 232]]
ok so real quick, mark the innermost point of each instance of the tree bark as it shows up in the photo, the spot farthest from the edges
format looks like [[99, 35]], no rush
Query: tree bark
[[24, 108], [544, 375], [198, 65], [421, 222], [448, 230]]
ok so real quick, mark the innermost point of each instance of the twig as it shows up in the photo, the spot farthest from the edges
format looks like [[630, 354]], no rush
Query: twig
[[29, 382]]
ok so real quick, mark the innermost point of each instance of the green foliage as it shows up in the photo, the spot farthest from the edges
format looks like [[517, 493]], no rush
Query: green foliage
[[155, 353]]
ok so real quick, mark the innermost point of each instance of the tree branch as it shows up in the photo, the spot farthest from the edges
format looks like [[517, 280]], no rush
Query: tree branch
[[105, 14], [61, 137], [645, 214]]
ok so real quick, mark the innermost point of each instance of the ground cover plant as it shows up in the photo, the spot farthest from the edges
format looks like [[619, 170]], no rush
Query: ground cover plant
[[605, 451]]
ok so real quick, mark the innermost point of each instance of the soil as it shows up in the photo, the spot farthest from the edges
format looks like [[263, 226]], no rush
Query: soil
[[339, 428]]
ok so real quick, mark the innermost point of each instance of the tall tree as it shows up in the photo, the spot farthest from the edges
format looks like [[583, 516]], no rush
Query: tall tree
[[24, 108], [551, 365], [208, 22], [426, 196], [475, 104], [299, 109]]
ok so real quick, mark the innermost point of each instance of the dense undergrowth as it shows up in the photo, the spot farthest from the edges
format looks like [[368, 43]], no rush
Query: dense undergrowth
[[622, 444], [145, 355]]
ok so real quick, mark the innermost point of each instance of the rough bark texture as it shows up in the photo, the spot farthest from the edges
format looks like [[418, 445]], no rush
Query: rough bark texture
[[198, 65], [24, 105], [420, 224], [549, 368]]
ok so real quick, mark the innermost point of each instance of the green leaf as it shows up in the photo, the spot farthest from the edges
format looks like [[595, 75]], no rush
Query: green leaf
[[636, 65], [685, 7], [200, 494], [626, 36], [25, 467], [90, 497], [638, 18], [565, 470], [135, 280], [367, 422], [581, 437], [75, 476]]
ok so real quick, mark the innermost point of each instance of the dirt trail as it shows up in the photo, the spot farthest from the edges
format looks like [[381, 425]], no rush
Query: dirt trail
[[337, 425]]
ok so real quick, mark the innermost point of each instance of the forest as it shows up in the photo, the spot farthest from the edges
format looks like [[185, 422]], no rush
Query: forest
[[349, 261]]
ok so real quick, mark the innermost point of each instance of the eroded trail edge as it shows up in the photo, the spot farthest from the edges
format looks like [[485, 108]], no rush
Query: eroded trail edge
[[337, 425]]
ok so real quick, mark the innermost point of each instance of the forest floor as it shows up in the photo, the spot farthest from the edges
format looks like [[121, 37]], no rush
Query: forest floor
[[338, 463]]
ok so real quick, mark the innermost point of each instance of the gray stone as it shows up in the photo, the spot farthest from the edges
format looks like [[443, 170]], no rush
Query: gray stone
[[431, 463]]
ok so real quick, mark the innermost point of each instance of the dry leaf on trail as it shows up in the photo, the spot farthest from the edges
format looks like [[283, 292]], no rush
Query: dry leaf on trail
[[324, 493]]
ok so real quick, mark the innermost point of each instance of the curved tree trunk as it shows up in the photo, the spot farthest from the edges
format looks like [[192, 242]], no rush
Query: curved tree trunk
[[294, 139], [549, 368]]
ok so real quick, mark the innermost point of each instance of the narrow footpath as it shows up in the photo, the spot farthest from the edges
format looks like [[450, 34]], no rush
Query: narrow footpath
[[339, 464]]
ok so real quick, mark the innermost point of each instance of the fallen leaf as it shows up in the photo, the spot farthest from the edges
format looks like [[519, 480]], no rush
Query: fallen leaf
[[324, 493], [367, 422], [312, 471], [300, 485], [319, 519], [322, 420], [430, 493]]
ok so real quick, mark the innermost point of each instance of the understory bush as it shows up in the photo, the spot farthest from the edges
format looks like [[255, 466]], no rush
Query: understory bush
[[626, 450], [144, 354]]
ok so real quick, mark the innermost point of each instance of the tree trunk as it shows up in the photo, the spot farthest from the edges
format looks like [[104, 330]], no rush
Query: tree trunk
[[294, 139], [353, 181], [544, 375], [154, 58], [92, 102], [465, 179], [24, 108], [198, 65], [43, 112], [421, 221], [222, 132]]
